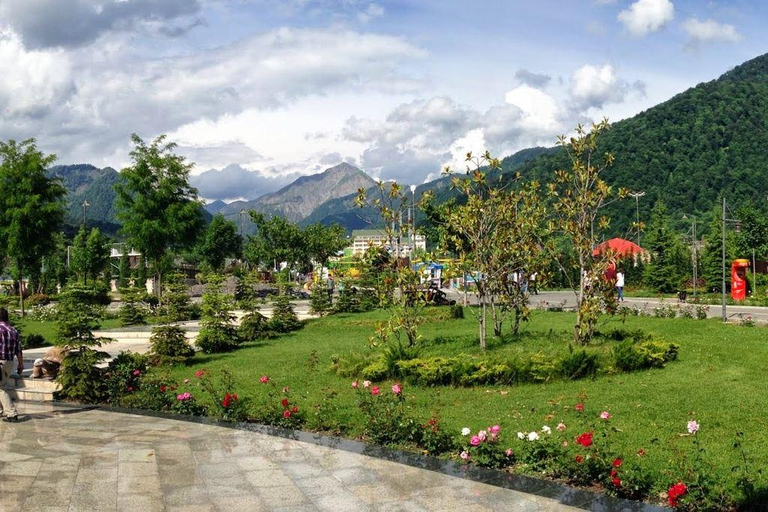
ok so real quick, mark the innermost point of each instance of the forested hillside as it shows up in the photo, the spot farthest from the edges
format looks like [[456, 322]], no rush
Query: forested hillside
[[703, 142]]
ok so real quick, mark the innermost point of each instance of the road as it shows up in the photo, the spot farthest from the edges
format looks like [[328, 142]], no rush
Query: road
[[567, 299]]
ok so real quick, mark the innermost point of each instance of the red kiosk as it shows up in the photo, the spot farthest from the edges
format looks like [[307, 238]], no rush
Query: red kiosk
[[739, 279]]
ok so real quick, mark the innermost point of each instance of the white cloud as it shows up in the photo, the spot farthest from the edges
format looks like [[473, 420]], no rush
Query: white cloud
[[31, 82], [539, 109], [371, 12], [646, 16], [595, 86], [72, 23], [86, 103], [702, 31]]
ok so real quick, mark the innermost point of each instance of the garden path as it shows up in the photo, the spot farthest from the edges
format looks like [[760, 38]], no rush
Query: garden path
[[61, 458]]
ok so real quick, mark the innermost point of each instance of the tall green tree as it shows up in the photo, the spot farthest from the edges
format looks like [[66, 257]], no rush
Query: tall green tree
[[276, 241], [156, 205], [754, 231], [90, 254], [31, 208], [220, 241], [578, 195], [322, 242], [671, 262]]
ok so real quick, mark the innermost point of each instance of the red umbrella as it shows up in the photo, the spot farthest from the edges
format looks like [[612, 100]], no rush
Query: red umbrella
[[619, 247]]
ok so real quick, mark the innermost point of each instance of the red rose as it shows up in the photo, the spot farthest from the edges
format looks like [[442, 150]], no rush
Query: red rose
[[675, 492], [617, 463], [585, 439], [284, 401], [295, 409], [616, 482], [579, 459], [579, 406], [162, 389], [614, 473], [286, 414], [641, 452]]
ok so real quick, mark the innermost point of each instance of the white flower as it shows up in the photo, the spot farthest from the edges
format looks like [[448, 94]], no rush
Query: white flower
[[533, 436], [521, 435], [693, 426], [465, 431], [546, 429], [482, 435]]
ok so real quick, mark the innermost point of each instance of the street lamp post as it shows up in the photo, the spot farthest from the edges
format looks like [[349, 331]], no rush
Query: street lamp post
[[637, 196], [737, 224], [86, 204], [695, 256], [412, 219]]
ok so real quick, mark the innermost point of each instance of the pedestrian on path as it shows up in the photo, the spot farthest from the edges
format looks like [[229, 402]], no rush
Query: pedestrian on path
[[532, 281], [620, 284], [10, 347]]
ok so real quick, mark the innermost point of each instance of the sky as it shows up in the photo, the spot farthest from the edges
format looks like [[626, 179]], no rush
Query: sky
[[264, 91]]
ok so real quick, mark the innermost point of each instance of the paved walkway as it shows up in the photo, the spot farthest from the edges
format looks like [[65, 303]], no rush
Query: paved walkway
[[60, 459]]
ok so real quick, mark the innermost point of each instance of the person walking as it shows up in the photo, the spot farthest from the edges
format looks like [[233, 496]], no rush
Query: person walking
[[532, 281], [10, 347], [620, 284]]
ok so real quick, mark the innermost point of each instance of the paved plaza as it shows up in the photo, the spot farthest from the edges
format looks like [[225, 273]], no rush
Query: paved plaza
[[67, 459]]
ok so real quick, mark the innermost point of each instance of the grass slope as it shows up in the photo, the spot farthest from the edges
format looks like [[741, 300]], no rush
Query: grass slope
[[719, 381]]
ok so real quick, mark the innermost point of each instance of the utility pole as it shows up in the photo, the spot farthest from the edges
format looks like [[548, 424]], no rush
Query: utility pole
[[637, 196], [86, 204], [695, 261], [725, 316]]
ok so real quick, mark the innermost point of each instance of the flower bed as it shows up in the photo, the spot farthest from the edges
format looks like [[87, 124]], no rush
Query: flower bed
[[579, 450]]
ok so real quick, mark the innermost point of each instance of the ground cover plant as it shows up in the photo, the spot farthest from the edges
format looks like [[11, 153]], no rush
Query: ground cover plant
[[572, 430]]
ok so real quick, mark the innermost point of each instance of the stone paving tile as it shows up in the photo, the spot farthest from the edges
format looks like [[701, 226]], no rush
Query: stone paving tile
[[102, 461]]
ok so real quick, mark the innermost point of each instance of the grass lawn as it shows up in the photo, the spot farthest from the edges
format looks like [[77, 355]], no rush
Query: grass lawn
[[719, 381], [49, 329]]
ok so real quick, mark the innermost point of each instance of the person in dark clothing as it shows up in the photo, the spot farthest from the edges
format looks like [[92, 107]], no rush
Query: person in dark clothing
[[10, 348]]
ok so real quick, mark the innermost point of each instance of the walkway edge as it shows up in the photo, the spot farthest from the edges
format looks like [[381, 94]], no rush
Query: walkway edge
[[564, 494]]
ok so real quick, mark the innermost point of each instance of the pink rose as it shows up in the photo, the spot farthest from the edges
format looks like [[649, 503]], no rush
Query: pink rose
[[464, 455], [561, 427], [605, 415], [509, 452], [475, 441], [482, 435], [354, 385], [264, 379], [199, 373], [136, 373], [495, 429], [396, 389], [375, 390]]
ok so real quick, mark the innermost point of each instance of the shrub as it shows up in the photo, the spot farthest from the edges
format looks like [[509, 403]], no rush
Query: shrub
[[38, 299], [433, 439], [254, 326], [702, 311], [578, 365], [169, 344], [630, 356], [386, 418], [485, 449], [320, 302], [132, 311], [123, 376], [218, 333], [225, 404], [457, 311], [80, 377], [33, 341], [284, 318]]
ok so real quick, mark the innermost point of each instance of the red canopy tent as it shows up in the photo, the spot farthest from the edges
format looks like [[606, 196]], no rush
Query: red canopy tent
[[618, 246]]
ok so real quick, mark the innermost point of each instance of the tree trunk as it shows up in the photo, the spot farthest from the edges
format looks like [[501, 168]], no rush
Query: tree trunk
[[482, 324], [578, 334], [21, 294]]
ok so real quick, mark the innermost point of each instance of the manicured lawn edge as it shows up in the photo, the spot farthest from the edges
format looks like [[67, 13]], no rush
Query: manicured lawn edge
[[564, 494]]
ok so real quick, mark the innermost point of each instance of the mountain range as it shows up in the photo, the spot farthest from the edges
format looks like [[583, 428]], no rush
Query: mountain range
[[701, 144]]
